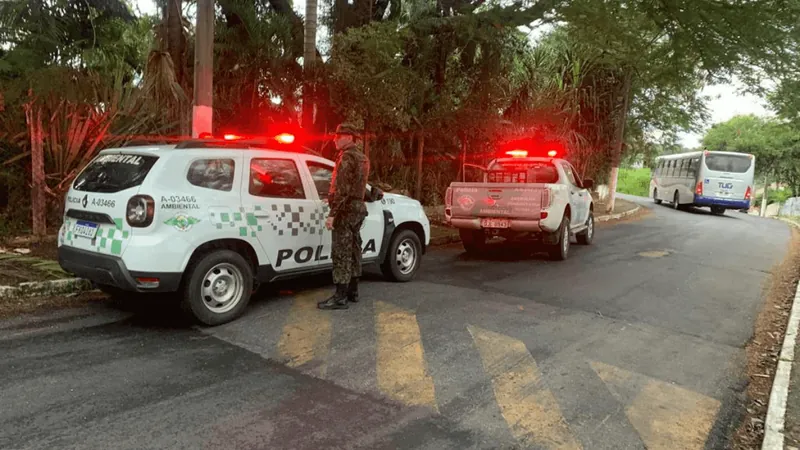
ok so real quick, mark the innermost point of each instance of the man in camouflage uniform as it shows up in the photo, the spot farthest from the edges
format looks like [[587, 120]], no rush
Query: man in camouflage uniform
[[346, 216]]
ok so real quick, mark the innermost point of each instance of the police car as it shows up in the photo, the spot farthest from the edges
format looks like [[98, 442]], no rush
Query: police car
[[212, 218]]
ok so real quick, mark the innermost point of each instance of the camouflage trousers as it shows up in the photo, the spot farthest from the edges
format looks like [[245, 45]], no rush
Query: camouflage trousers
[[346, 251]]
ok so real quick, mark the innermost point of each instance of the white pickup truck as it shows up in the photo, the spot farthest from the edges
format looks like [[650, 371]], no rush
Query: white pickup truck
[[523, 197]]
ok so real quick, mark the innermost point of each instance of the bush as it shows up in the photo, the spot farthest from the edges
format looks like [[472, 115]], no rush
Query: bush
[[634, 182]]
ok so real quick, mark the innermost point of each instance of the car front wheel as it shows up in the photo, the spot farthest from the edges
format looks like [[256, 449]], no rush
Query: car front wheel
[[404, 256]]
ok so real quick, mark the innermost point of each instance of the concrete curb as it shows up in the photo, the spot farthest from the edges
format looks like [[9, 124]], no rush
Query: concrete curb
[[43, 288], [776, 410], [618, 216]]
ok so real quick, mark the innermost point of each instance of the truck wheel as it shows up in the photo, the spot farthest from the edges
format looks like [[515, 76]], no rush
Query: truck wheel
[[560, 250], [403, 258], [474, 241], [717, 210], [676, 202], [218, 287], [585, 237], [656, 200]]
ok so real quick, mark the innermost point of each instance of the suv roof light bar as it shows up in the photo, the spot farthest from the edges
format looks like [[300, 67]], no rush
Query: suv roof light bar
[[265, 143]]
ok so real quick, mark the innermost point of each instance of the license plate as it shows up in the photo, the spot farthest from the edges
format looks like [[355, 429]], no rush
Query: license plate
[[85, 229], [495, 223], [723, 193]]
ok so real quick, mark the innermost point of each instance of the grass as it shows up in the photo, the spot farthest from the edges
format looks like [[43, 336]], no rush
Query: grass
[[634, 182]]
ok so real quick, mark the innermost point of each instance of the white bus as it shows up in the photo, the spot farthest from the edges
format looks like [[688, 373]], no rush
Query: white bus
[[719, 180]]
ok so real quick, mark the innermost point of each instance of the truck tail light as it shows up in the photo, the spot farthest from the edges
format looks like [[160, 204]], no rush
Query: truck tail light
[[140, 211], [545, 198], [448, 196], [698, 189], [748, 193]]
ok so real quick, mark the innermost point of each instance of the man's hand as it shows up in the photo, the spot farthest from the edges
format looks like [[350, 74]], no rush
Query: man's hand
[[329, 223]]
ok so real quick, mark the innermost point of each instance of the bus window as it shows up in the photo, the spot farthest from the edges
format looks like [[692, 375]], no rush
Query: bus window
[[681, 168], [671, 169], [728, 163]]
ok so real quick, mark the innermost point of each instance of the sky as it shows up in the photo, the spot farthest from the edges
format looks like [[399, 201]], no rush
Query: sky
[[725, 102]]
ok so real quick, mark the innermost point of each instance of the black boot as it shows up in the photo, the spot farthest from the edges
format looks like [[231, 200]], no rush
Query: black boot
[[352, 290], [336, 301]]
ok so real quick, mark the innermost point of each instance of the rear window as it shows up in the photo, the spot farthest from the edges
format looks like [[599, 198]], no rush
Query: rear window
[[728, 163], [522, 172], [114, 173]]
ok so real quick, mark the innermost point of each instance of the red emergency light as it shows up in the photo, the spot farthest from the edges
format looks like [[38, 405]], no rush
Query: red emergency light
[[285, 138], [517, 153]]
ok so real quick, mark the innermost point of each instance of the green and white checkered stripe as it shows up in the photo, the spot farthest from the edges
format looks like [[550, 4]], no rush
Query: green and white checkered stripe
[[109, 239], [285, 219]]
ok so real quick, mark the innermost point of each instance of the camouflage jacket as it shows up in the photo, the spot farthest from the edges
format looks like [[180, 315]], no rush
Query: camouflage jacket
[[349, 182]]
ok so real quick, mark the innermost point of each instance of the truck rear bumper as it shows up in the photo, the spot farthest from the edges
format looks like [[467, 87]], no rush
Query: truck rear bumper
[[533, 226]]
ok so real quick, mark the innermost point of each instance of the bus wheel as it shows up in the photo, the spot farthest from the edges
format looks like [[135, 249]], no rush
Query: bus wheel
[[656, 200], [675, 204], [717, 210]]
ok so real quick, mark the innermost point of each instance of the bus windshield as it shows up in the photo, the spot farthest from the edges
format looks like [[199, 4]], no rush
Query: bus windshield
[[728, 163]]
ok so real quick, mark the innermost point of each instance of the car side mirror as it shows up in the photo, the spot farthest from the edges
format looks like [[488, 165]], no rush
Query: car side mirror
[[588, 183], [374, 194]]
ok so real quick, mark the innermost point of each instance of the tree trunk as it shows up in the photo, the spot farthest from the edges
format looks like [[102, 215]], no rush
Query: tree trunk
[[309, 62], [463, 159], [764, 197], [175, 40], [619, 139], [420, 153], [202, 110], [33, 115]]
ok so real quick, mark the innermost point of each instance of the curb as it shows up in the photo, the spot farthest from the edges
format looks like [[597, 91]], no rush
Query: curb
[[776, 410], [43, 288], [618, 216]]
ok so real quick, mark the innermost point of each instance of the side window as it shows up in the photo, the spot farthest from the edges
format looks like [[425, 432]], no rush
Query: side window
[[321, 174], [214, 174], [570, 176], [671, 168], [682, 168], [277, 178]]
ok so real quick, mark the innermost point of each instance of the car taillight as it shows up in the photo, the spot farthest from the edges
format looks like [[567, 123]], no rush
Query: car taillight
[[698, 189], [545, 198], [448, 196], [748, 193], [140, 211]]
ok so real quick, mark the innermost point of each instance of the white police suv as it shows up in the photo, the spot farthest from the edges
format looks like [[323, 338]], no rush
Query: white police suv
[[211, 218]]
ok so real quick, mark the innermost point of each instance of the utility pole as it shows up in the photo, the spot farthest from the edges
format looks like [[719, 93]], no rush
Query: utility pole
[[202, 111], [309, 63]]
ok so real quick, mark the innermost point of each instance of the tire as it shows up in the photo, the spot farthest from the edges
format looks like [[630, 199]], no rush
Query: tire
[[717, 210], [233, 276], [586, 236], [675, 205], [560, 250], [404, 256], [656, 200], [474, 241]]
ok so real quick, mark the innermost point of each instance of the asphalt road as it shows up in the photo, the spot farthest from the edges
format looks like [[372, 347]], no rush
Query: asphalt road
[[634, 342]]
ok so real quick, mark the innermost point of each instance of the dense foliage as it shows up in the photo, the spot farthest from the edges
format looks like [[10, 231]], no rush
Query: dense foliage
[[435, 84]]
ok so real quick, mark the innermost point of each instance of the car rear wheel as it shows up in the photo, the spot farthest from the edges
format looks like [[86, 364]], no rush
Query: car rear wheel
[[585, 237], [404, 256], [560, 250], [218, 287], [474, 241]]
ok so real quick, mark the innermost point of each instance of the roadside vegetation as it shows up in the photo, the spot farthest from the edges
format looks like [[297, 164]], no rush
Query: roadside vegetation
[[634, 181]]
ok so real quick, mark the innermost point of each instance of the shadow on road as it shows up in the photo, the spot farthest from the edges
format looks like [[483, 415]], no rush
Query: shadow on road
[[729, 214]]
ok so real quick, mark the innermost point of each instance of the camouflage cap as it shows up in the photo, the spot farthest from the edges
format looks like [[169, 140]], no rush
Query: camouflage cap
[[347, 128]]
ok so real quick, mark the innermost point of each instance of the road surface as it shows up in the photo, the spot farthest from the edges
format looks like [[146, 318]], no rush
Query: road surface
[[634, 342]]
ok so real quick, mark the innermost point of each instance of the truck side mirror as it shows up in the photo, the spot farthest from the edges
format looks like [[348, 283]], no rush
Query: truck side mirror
[[588, 183]]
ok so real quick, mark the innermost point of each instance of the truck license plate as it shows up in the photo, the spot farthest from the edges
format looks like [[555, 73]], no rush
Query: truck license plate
[[495, 223], [85, 229]]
